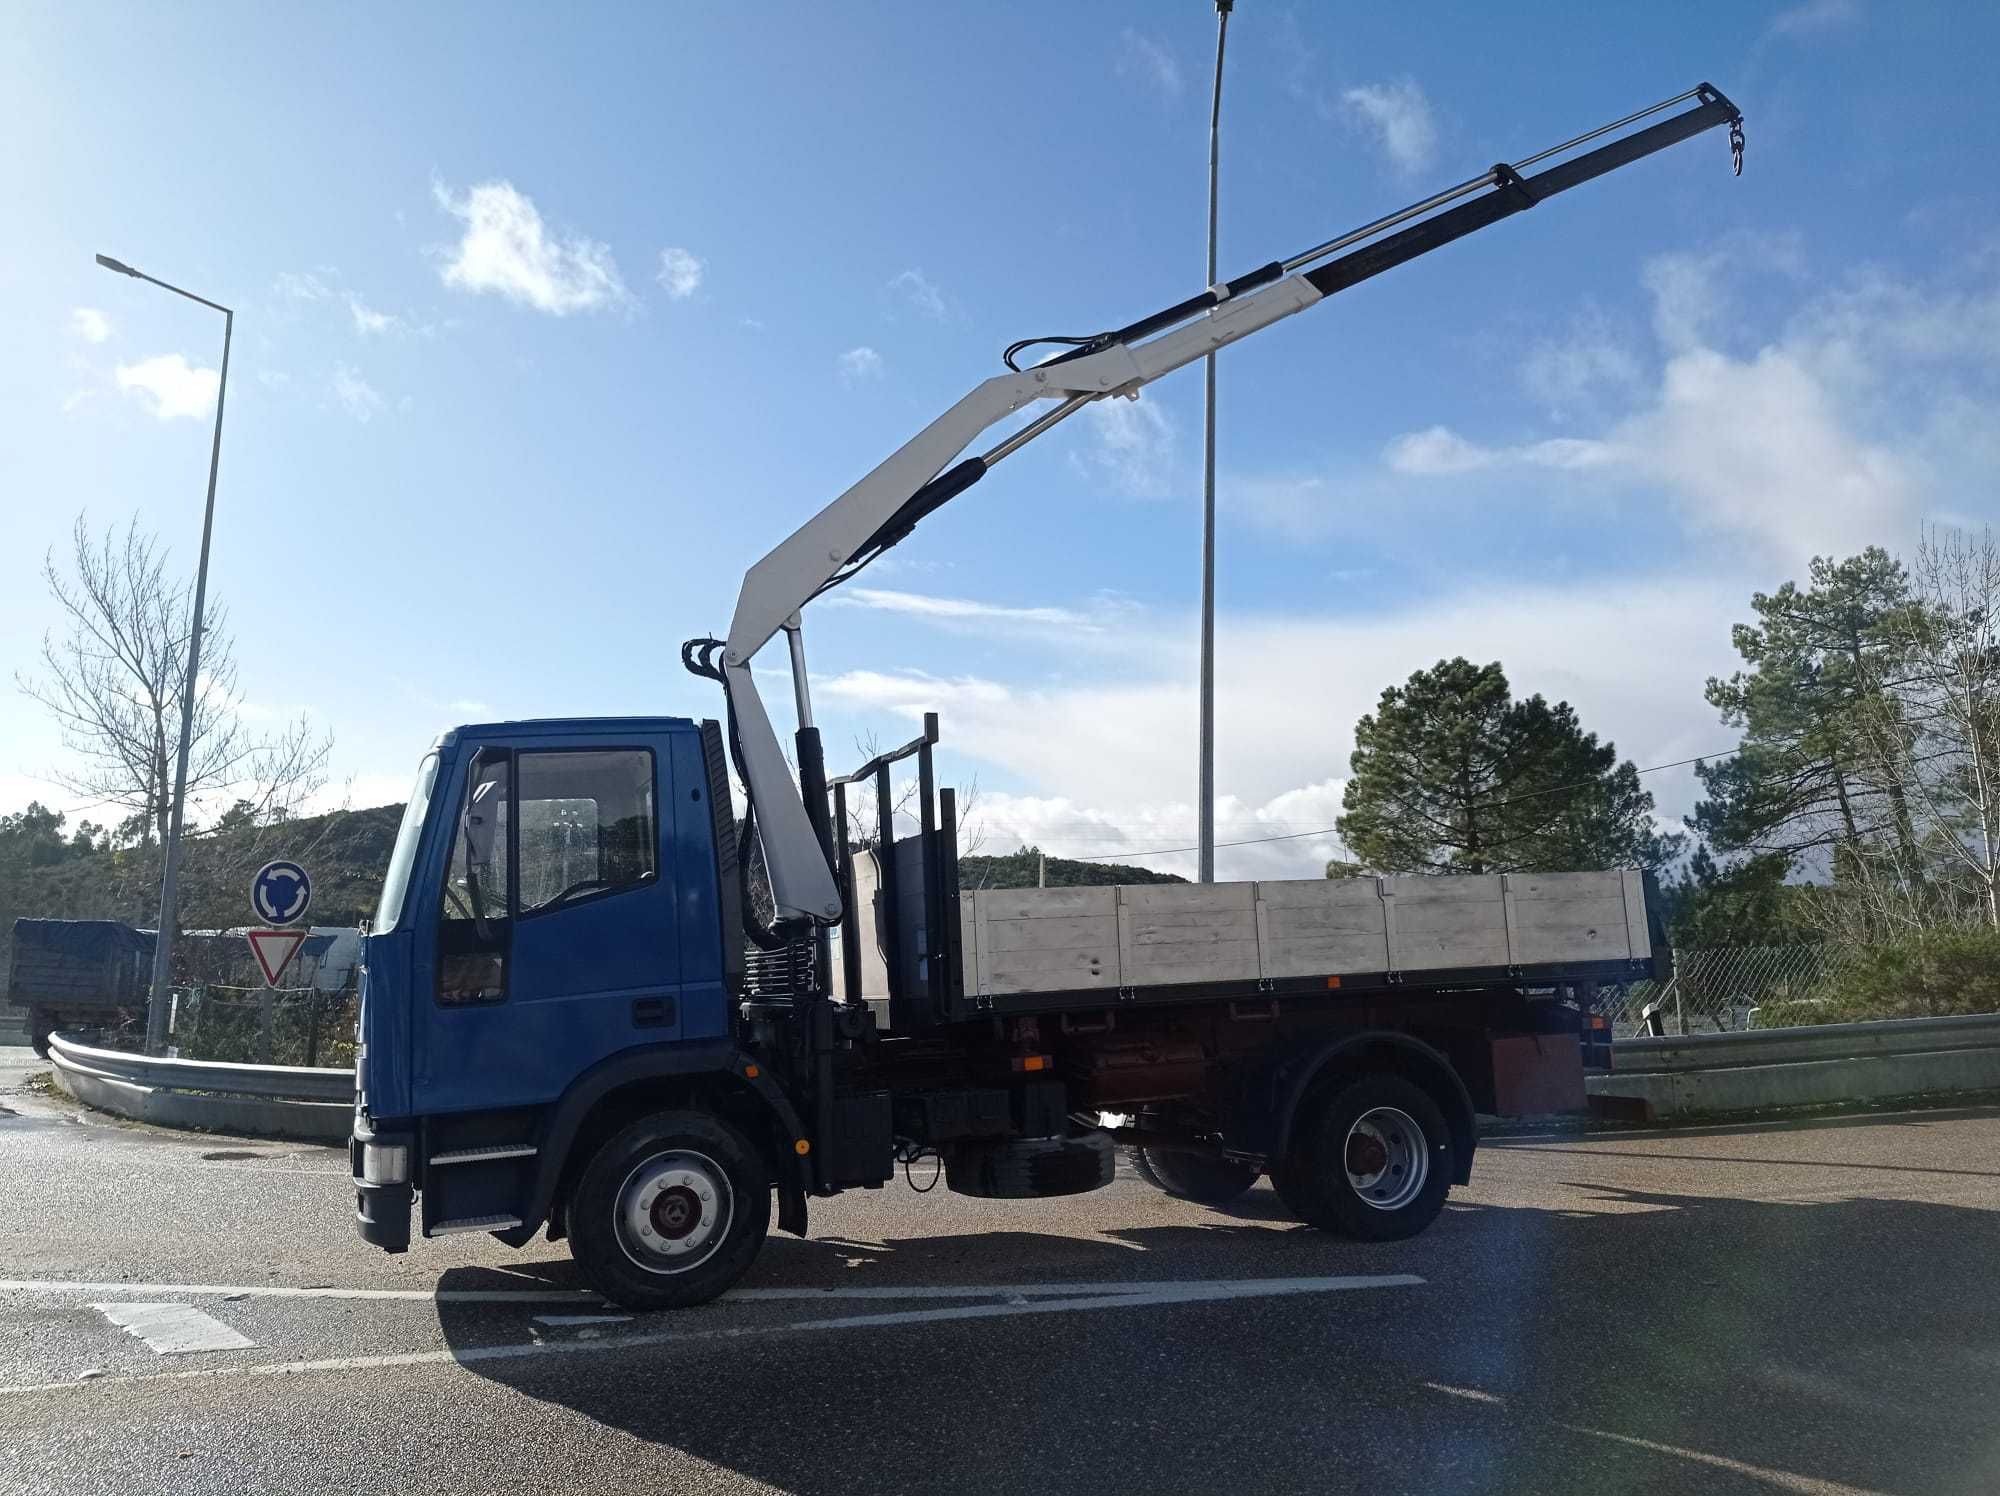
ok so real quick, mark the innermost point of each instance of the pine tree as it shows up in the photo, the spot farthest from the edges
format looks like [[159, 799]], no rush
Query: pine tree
[[1452, 775], [1822, 741]]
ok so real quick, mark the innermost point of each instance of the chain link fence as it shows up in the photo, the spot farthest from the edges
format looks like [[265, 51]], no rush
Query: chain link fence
[[1719, 989], [264, 1025]]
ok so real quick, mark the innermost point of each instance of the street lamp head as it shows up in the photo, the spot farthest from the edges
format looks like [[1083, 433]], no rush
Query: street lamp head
[[118, 265]]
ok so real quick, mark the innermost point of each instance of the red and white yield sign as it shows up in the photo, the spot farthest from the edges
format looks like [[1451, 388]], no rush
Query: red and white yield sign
[[274, 950]]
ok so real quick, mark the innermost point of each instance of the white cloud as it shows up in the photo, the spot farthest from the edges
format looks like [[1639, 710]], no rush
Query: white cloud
[[1871, 406], [75, 400], [1438, 451], [1578, 371], [1143, 58], [508, 249], [1816, 17], [1435, 451], [369, 322], [1303, 507], [1400, 114], [921, 293], [1759, 446], [1134, 446], [301, 286], [88, 323], [964, 611], [858, 364], [356, 395], [680, 272], [169, 386]]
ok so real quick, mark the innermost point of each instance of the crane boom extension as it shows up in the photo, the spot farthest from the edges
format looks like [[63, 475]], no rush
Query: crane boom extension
[[883, 507]]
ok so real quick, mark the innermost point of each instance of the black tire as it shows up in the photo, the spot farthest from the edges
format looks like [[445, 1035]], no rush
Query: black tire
[[646, 1182], [1203, 1178], [41, 1024], [1315, 1179], [1031, 1168]]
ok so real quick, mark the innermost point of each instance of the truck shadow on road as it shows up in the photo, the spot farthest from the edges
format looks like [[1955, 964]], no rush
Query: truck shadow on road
[[1654, 1341]]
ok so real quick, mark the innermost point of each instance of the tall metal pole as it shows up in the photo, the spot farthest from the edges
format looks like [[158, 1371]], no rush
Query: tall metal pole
[[163, 940], [1205, 774]]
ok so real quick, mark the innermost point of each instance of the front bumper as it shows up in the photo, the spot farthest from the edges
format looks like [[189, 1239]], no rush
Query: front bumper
[[381, 1211]]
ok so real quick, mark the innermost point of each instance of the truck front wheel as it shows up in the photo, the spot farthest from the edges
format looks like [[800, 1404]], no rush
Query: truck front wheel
[[1370, 1160], [669, 1211]]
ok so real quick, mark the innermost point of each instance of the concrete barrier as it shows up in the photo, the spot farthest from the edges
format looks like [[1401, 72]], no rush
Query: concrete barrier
[[256, 1101], [1820, 1065]]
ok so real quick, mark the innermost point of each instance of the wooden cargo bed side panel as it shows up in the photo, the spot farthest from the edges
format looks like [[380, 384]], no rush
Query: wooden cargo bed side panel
[[1456, 922], [1570, 917], [1187, 933], [1044, 939], [1321, 928]]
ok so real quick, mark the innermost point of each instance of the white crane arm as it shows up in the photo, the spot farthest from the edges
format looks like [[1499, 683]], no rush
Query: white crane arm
[[882, 507]]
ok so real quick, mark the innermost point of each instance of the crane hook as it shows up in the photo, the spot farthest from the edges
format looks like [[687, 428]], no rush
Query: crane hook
[[1736, 144]]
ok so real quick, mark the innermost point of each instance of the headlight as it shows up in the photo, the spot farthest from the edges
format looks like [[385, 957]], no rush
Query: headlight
[[385, 1163]]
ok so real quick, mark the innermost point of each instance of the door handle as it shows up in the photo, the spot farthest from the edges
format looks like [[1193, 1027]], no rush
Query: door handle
[[653, 1012]]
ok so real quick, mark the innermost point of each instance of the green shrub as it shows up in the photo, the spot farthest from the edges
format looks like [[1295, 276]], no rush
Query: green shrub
[[1938, 972]]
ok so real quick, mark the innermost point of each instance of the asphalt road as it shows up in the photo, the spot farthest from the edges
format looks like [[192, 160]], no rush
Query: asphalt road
[[1792, 1307]]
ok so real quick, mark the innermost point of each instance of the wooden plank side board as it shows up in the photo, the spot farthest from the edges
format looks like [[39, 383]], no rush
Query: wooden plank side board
[[1019, 941], [1309, 929], [1043, 939], [1168, 933], [1575, 917], [1443, 922]]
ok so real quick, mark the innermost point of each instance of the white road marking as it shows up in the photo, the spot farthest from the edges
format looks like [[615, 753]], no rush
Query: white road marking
[[1784, 1480], [1080, 1297], [582, 1319], [586, 1296], [1470, 1394], [174, 1329], [280, 1291]]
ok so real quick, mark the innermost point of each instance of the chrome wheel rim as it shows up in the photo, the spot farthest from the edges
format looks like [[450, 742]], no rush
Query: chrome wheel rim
[[673, 1211], [1387, 1158]]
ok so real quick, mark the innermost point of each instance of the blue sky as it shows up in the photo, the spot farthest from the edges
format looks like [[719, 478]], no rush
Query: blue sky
[[550, 325]]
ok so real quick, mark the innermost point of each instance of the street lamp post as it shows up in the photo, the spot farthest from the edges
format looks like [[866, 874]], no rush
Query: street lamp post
[[1205, 774], [163, 943]]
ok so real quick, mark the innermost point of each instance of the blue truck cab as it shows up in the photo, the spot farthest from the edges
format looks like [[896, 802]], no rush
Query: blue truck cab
[[551, 935]]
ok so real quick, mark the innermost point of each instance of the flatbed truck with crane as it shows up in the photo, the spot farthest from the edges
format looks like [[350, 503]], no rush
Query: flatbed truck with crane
[[574, 1018]]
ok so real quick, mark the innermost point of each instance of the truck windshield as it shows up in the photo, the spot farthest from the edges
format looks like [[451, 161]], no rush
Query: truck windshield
[[407, 836]]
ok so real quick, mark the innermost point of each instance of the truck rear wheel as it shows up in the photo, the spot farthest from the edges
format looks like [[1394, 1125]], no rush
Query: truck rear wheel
[[1204, 1178], [1370, 1160], [670, 1211]]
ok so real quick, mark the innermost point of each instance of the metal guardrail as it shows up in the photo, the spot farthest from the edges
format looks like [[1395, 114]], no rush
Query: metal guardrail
[[1787, 1046], [206, 1077]]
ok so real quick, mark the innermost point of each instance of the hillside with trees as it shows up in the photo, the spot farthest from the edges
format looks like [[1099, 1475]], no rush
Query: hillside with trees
[[347, 852], [1023, 869]]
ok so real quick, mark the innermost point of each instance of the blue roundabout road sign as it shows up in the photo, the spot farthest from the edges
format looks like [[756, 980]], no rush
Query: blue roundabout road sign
[[281, 893]]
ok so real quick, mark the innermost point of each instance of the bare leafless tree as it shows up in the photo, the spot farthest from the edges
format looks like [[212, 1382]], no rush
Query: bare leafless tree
[[1948, 709], [904, 808], [113, 677]]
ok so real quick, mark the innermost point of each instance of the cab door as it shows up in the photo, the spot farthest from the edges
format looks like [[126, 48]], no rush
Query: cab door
[[556, 943]]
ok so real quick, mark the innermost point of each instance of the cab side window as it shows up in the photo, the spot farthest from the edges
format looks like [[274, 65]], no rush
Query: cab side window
[[588, 826], [476, 910]]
